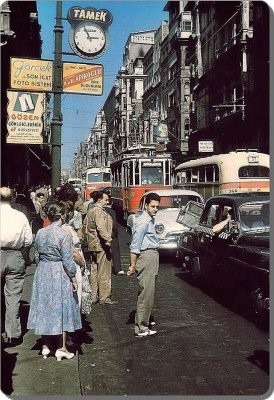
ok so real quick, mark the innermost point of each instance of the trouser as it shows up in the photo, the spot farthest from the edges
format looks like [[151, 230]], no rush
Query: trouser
[[115, 255], [12, 280], [100, 275], [147, 270]]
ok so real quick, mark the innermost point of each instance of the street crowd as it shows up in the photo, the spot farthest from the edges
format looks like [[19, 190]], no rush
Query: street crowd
[[75, 246]]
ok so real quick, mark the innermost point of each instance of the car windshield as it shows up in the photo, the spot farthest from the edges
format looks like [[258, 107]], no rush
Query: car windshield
[[254, 215], [176, 201]]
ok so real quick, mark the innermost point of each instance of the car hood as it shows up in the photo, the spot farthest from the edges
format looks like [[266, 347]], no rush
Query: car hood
[[167, 217]]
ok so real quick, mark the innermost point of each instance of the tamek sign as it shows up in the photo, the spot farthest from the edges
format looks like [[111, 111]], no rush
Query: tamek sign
[[25, 117], [89, 36]]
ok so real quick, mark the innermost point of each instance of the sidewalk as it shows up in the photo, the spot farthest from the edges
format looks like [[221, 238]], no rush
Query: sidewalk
[[25, 372]]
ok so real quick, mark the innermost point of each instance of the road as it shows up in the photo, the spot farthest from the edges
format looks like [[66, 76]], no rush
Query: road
[[205, 344]]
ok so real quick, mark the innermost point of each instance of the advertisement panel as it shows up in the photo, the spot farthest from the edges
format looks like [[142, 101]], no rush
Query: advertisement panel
[[83, 78], [25, 117], [30, 74]]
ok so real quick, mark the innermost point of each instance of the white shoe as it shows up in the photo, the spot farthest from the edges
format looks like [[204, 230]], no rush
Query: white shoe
[[149, 332], [45, 352], [121, 272], [59, 354]]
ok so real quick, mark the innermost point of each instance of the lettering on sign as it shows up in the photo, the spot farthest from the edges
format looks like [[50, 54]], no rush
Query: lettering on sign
[[25, 117], [83, 78], [32, 75], [76, 14]]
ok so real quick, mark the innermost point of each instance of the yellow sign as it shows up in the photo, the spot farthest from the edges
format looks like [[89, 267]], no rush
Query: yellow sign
[[30, 74], [83, 78], [25, 117]]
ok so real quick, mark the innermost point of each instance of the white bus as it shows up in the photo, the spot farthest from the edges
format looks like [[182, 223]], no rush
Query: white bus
[[94, 179], [237, 171], [76, 183]]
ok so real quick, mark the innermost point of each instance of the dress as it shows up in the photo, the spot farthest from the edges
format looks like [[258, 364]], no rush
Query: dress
[[54, 306]]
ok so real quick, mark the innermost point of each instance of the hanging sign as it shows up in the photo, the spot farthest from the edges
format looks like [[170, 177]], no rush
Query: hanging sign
[[83, 78], [25, 117], [31, 74]]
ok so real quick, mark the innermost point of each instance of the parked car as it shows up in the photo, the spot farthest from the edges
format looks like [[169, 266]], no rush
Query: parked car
[[239, 254], [167, 228]]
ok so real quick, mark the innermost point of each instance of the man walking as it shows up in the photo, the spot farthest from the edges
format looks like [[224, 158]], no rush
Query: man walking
[[16, 235], [97, 229], [144, 258]]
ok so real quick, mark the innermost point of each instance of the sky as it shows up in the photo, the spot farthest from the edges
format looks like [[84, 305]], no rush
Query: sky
[[79, 111]]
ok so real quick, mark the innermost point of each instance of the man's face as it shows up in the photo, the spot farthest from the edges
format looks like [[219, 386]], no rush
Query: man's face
[[152, 208], [104, 201]]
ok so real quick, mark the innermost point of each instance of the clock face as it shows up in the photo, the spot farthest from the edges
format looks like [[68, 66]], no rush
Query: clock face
[[89, 38]]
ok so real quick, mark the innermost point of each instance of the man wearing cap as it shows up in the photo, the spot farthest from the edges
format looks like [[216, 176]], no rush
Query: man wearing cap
[[16, 235]]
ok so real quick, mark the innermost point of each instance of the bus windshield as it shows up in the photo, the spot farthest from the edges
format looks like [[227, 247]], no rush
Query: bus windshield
[[151, 175], [98, 177]]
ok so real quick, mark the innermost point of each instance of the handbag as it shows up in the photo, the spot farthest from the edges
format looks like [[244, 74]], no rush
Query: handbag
[[86, 302]]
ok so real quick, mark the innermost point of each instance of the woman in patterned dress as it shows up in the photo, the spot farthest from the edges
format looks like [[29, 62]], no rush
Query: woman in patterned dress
[[54, 308]]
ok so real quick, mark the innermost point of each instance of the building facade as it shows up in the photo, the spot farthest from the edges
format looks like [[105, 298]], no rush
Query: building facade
[[21, 165]]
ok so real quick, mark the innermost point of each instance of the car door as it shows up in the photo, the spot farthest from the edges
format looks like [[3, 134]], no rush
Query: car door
[[213, 248]]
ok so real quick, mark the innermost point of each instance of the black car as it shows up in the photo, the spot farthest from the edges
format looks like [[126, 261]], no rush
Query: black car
[[238, 253]]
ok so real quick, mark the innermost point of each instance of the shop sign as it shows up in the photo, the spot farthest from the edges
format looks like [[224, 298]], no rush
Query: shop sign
[[25, 117], [83, 78], [30, 74], [205, 146]]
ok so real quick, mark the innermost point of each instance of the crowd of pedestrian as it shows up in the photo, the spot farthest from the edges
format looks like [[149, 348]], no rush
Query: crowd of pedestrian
[[76, 251]]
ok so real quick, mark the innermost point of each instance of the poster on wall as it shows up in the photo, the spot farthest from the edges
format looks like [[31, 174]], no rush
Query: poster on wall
[[25, 117]]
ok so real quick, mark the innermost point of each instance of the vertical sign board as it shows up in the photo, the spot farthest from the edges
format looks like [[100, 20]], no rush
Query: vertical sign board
[[31, 74], [25, 117]]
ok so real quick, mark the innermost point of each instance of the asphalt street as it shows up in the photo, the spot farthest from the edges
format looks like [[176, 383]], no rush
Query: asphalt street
[[204, 346]]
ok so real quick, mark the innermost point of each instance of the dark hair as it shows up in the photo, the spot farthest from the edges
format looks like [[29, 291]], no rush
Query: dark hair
[[69, 207], [152, 196], [55, 210], [67, 192], [97, 195]]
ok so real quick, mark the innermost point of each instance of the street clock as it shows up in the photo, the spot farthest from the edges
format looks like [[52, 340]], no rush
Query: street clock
[[89, 37]]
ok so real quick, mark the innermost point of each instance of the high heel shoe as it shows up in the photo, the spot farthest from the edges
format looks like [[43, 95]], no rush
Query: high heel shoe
[[59, 354], [45, 352]]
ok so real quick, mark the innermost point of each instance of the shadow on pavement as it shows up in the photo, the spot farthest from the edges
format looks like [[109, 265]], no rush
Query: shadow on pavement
[[8, 364], [261, 359]]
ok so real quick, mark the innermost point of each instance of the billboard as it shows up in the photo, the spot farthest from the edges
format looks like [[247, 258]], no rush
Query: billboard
[[83, 78], [25, 117], [30, 74]]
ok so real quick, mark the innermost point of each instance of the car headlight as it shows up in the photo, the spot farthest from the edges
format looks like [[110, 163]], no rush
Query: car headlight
[[159, 228]]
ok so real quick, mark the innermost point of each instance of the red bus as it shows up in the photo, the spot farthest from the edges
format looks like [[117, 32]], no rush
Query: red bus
[[136, 171], [95, 178]]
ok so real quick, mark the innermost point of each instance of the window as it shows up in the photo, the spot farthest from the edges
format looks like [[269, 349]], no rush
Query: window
[[253, 171], [186, 26]]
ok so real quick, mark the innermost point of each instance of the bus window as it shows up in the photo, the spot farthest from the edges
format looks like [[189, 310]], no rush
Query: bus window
[[188, 176], [194, 175], [137, 173], [253, 171], [167, 171], [202, 174], [151, 175], [106, 176], [131, 174]]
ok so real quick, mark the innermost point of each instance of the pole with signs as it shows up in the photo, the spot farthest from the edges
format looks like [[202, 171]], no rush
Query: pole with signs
[[56, 123]]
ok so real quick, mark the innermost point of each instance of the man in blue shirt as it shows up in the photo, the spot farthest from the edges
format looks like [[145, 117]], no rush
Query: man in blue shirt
[[144, 257]]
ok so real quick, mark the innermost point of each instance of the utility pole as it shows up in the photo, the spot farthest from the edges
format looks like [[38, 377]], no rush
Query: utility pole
[[56, 123]]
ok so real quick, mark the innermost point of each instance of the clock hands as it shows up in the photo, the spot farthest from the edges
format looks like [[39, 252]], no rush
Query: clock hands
[[88, 35]]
